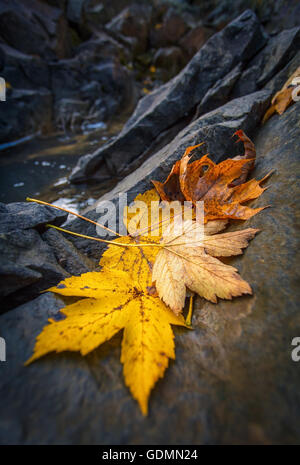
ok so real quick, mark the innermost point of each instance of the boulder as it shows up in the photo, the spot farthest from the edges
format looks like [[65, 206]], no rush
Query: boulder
[[169, 61], [219, 93], [67, 256], [170, 31], [280, 78], [91, 13], [28, 266], [32, 262], [34, 28], [75, 10], [275, 16], [230, 372], [70, 114], [25, 71], [25, 112], [164, 107], [195, 39], [2, 59], [279, 50], [22, 215], [134, 21], [102, 46], [113, 88]]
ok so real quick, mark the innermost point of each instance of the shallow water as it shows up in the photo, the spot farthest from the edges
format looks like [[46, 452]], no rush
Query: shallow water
[[39, 167]]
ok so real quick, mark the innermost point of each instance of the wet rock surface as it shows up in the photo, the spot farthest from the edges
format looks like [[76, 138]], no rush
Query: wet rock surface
[[68, 256], [22, 215], [33, 259], [233, 381], [28, 266]]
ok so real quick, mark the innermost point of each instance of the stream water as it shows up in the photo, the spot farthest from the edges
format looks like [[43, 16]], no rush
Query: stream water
[[39, 167]]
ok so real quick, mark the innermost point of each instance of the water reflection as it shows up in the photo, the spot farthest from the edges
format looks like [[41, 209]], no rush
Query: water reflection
[[39, 166]]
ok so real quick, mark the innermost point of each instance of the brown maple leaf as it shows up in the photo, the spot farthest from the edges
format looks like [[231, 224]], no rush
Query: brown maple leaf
[[221, 186], [170, 189], [250, 154]]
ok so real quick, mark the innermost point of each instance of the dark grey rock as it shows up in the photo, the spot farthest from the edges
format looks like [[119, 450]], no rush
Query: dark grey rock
[[2, 59], [279, 50], [233, 381], [75, 10], [70, 113], [219, 93], [103, 46], [25, 71], [25, 112], [276, 83], [274, 15], [163, 108], [214, 128], [134, 21], [68, 257], [195, 39], [34, 28], [169, 60], [92, 13], [173, 27], [28, 266], [114, 91], [24, 215]]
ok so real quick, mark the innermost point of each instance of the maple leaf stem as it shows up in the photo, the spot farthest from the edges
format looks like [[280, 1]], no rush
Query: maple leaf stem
[[188, 320], [118, 244], [72, 213]]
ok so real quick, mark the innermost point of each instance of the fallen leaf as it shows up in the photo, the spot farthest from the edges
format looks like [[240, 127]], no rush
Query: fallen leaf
[[188, 261], [250, 154], [170, 190], [283, 98], [220, 186], [114, 301], [119, 297], [213, 188]]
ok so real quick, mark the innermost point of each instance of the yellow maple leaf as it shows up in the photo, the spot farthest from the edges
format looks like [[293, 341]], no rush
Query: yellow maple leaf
[[119, 297], [114, 301]]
